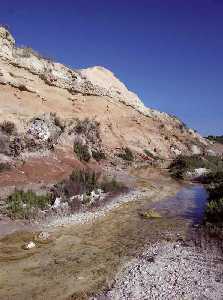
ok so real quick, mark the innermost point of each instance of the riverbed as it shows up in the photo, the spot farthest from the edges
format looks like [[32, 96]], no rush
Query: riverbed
[[80, 260]]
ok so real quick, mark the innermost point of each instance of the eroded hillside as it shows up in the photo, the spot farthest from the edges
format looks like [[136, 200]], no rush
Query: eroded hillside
[[32, 86]]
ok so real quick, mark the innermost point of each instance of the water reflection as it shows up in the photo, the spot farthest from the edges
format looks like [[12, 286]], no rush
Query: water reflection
[[188, 203]]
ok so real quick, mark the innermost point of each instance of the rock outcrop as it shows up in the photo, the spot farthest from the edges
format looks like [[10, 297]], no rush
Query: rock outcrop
[[32, 85], [91, 81]]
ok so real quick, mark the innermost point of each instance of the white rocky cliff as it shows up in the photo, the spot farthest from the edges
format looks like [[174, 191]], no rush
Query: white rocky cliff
[[91, 81], [31, 85]]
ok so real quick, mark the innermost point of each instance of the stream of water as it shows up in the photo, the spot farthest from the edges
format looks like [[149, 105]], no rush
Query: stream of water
[[188, 203]]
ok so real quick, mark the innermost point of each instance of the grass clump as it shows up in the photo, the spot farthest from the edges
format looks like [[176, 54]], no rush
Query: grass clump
[[82, 151], [8, 127], [126, 154], [24, 205]]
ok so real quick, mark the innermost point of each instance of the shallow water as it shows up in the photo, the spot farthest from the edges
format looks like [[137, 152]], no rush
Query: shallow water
[[188, 203], [82, 259]]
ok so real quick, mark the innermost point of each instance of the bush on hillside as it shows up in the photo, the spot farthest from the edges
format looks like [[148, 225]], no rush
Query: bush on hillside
[[4, 167], [126, 154], [182, 164], [8, 127], [84, 181], [150, 154], [214, 138], [98, 155], [87, 127], [82, 151]]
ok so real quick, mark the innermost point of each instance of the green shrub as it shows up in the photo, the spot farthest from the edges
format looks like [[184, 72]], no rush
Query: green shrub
[[83, 182], [23, 205], [215, 190], [98, 155], [87, 127], [82, 152], [182, 164], [214, 138], [126, 154], [214, 211], [4, 167], [79, 182], [214, 208], [8, 127], [150, 154], [87, 179]]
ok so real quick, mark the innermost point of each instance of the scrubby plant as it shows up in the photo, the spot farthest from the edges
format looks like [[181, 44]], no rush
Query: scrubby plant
[[126, 154], [87, 179], [182, 164], [4, 144], [8, 127], [27, 51], [58, 122], [111, 185], [83, 181], [150, 154], [23, 205], [82, 151], [86, 126], [214, 211], [79, 182], [214, 138], [4, 167], [213, 178], [98, 155]]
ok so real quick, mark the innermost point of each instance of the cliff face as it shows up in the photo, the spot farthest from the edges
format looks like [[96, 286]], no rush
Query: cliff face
[[32, 86], [92, 81]]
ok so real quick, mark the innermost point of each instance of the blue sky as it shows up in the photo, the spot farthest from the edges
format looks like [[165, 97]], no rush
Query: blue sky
[[170, 52]]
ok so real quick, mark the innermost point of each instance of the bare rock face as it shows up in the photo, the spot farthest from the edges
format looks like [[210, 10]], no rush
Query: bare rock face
[[32, 85], [91, 81], [7, 43]]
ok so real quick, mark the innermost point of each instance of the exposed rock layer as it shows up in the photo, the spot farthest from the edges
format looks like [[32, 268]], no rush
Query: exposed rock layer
[[32, 85]]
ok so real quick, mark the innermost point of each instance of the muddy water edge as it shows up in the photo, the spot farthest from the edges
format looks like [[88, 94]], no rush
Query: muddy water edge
[[81, 260]]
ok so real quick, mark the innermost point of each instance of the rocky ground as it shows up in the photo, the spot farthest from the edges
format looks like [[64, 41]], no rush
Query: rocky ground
[[170, 271]]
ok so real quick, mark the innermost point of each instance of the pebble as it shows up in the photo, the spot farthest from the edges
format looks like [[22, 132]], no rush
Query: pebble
[[29, 245]]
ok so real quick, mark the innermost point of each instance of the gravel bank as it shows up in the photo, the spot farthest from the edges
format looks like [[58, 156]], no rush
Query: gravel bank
[[85, 217], [170, 270]]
